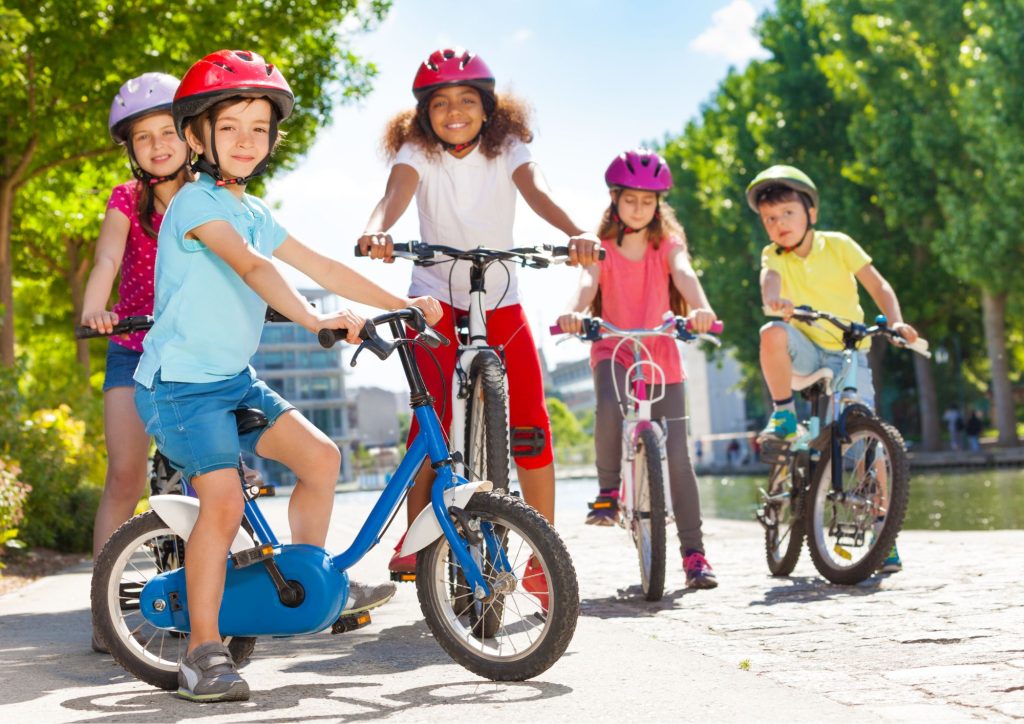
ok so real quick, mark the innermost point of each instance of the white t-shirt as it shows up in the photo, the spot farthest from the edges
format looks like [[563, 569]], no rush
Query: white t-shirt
[[466, 203]]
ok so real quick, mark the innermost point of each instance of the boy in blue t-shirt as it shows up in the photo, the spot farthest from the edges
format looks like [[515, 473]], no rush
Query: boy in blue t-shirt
[[214, 279]]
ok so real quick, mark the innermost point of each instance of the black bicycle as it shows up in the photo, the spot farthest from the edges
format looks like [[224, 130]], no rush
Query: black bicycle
[[844, 481]]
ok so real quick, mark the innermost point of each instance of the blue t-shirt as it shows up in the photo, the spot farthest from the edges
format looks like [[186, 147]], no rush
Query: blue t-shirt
[[208, 320]]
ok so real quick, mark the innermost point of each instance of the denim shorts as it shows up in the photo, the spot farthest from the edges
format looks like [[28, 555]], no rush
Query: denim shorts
[[808, 357], [193, 423], [121, 364]]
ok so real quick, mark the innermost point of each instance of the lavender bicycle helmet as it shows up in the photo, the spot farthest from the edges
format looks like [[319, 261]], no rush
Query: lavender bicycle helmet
[[641, 169], [149, 93]]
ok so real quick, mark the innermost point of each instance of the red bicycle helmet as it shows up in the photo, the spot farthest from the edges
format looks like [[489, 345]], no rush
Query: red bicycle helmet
[[448, 67], [229, 73]]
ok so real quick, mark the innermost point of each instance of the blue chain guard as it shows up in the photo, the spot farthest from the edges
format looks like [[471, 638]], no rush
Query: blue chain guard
[[251, 606]]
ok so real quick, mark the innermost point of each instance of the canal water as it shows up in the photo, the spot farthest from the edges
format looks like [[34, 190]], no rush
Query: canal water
[[989, 499]]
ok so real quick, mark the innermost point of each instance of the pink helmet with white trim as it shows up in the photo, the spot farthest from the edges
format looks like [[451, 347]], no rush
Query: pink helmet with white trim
[[641, 169]]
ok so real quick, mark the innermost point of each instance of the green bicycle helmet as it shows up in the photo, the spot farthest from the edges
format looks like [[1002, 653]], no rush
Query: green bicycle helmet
[[781, 175]]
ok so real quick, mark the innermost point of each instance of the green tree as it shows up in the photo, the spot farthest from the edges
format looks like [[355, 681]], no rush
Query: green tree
[[62, 62], [565, 428], [937, 85]]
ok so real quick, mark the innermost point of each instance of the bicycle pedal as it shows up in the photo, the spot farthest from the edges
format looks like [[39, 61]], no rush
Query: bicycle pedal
[[774, 451], [351, 622], [248, 557], [399, 577]]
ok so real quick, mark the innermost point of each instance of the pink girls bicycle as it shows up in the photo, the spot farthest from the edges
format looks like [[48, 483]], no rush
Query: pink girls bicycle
[[644, 495]]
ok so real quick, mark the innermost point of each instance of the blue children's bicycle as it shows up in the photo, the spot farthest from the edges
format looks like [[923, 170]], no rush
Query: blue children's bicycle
[[474, 548]]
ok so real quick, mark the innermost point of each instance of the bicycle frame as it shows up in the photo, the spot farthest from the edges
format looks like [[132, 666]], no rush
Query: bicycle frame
[[327, 597], [637, 418]]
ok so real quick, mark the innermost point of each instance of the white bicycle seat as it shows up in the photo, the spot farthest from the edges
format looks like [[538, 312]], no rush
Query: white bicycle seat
[[802, 382]]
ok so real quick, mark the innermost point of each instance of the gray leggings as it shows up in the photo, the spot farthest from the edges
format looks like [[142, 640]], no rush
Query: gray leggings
[[608, 448]]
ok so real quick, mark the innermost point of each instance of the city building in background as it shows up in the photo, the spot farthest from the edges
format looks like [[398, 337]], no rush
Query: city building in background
[[293, 364]]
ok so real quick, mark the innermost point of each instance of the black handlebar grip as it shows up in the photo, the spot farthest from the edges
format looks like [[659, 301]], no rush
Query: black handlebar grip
[[327, 337]]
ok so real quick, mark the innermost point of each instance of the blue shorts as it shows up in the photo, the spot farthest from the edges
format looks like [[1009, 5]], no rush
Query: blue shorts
[[808, 357], [121, 364], [193, 422]]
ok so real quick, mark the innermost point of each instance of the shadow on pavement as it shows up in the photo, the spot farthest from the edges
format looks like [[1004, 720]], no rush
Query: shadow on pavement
[[630, 603], [132, 706], [808, 589]]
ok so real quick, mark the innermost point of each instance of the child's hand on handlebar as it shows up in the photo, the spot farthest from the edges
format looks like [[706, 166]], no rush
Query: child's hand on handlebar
[[701, 320], [906, 331], [345, 319], [101, 321], [779, 304], [430, 307], [377, 245], [571, 323], [584, 249]]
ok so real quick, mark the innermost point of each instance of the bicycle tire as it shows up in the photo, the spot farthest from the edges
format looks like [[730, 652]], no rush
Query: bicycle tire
[[784, 521], [535, 638], [836, 563], [649, 518], [138, 646], [487, 451]]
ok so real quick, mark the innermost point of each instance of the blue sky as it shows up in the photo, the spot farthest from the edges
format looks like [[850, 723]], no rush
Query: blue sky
[[601, 77]]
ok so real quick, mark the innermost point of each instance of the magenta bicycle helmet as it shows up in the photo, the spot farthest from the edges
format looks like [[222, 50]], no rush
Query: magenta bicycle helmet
[[641, 169], [149, 93]]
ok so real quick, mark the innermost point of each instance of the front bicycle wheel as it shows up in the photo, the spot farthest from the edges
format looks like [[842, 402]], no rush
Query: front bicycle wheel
[[526, 623], [783, 519], [851, 530], [140, 549], [487, 422], [648, 515]]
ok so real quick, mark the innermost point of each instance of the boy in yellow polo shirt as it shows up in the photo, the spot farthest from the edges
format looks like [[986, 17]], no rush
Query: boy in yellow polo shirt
[[820, 269]]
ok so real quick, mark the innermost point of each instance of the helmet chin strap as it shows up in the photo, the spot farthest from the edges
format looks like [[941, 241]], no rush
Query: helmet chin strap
[[145, 176], [201, 164], [779, 249], [623, 228]]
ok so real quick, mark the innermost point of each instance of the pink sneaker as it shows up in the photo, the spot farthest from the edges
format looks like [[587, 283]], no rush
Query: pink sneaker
[[699, 573]]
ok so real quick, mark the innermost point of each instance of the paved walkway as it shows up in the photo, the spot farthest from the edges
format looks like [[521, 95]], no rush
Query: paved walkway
[[941, 641]]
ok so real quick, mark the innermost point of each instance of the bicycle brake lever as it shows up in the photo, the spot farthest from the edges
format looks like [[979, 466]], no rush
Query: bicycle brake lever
[[373, 342], [433, 339]]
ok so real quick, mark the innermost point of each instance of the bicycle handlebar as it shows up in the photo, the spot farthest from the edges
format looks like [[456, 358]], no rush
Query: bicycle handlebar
[[855, 331], [125, 326], [382, 348], [679, 327], [423, 254]]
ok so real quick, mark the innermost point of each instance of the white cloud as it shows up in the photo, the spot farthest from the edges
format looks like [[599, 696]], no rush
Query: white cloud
[[519, 37], [731, 35]]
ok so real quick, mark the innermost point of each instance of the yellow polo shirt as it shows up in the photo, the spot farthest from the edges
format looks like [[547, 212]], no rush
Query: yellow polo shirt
[[824, 279]]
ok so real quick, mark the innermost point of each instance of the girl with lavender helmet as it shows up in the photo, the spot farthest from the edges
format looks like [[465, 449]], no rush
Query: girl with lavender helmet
[[140, 120]]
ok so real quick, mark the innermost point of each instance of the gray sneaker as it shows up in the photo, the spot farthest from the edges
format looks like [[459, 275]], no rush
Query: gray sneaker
[[362, 597], [208, 674]]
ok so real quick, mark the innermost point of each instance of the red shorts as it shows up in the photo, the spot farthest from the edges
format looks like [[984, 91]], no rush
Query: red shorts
[[506, 327]]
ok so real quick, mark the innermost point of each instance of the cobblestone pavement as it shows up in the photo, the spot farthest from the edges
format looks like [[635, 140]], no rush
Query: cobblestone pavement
[[948, 629], [940, 641]]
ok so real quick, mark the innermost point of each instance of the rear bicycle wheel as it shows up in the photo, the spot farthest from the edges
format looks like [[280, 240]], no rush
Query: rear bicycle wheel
[[782, 516], [851, 530], [139, 550], [648, 516], [487, 451]]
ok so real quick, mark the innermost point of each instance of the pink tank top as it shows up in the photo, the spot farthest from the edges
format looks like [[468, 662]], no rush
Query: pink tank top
[[634, 294]]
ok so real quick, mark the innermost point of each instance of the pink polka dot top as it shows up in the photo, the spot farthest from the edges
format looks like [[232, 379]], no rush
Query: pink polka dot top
[[135, 291]]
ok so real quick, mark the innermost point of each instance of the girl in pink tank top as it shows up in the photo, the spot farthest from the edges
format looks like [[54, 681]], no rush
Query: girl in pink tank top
[[646, 273]]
